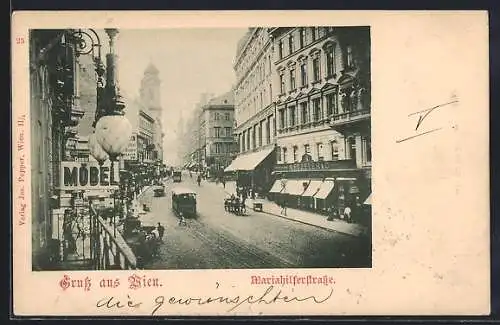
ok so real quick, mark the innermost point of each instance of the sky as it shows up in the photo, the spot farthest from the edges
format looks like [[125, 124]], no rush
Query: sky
[[190, 62]]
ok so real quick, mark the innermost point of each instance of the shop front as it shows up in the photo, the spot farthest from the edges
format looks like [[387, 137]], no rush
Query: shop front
[[253, 170]]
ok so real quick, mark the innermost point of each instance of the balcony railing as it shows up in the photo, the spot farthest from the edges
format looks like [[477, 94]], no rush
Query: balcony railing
[[304, 126], [349, 117], [347, 164]]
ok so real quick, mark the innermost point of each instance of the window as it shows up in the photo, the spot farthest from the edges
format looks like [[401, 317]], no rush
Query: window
[[268, 130], [217, 132], [227, 131], [335, 150], [292, 79], [260, 133], [317, 109], [367, 149], [269, 62], [254, 135], [293, 116], [304, 112], [319, 150], [218, 148], [291, 45], [248, 139], [303, 74], [278, 153], [217, 116], [316, 71], [351, 148], [350, 57], [270, 93], [330, 61], [226, 116], [281, 49], [295, 154], [243, 141], [314, 33], [284, 154], [331, 104], [307, 149], [282, 83], [281, 118], [302, 37]]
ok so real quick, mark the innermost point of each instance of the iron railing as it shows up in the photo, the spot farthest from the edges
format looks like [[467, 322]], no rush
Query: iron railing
[[109, 249], [317, 165]]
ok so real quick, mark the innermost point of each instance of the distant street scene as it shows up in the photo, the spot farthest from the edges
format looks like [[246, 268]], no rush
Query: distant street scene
[[201, 148]]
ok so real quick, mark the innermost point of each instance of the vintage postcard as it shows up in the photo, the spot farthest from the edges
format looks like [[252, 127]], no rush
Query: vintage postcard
[[250, 163]]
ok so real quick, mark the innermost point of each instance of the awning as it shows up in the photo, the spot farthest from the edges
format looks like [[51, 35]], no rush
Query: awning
[[277, 187], [293, 186], [297, 187], [249, 161], [368, 200], [325, 189], [313, 188]]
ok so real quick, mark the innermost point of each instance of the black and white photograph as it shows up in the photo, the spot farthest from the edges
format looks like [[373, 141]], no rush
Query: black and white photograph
[[200, 148]]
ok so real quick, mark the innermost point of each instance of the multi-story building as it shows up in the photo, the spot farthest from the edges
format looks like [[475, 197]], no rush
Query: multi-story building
[[323, 115], [216, 133], [254, 110], [54, 115], [145, 144], [151, 99]]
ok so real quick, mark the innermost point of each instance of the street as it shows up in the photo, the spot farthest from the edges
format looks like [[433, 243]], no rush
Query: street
[[220, 240]]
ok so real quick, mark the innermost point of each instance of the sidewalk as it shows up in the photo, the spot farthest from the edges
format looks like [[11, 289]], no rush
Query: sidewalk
[[301, 216]]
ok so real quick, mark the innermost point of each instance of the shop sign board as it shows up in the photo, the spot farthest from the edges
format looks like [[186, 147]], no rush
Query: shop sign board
[[130, 153], [88, 175]]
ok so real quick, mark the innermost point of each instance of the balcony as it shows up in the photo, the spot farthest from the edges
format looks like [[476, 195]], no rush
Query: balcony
[[305, 127], [76, 114], [340, 122], [331, 165]]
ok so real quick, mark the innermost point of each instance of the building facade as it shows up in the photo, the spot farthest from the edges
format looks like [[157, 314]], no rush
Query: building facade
[[216, 134], [322, 98], [254, 109], [54, 115], [150, 98], [145, 137]]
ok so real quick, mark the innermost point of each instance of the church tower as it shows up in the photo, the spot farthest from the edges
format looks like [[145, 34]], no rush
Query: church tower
[[150, 99], [150, 91]]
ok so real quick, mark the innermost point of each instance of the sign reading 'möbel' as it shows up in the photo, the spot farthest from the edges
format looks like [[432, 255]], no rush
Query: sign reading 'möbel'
[[88, 175]]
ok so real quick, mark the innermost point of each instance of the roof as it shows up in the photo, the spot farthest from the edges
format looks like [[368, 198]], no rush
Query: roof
[[151, 69], [182, 190], [225, 99]]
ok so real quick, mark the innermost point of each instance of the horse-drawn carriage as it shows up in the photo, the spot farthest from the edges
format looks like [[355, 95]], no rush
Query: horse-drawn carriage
[[235, 205], [145, 242]]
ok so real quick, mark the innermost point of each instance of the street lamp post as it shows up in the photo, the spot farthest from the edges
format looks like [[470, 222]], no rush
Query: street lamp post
[[112, 129]]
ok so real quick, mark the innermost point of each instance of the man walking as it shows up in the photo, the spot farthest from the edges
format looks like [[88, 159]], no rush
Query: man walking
[[198, 180], [347, 214], [283, 206], [161, 231]]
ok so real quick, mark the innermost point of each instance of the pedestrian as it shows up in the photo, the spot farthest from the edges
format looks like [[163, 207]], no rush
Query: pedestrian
[[161, 231], [347, 214], [198, 180], [283, 206], [223, 182]]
